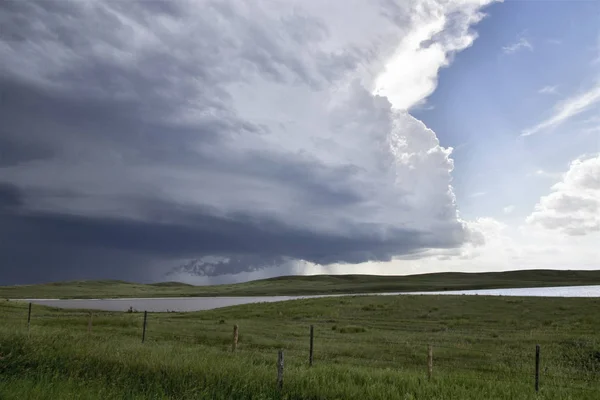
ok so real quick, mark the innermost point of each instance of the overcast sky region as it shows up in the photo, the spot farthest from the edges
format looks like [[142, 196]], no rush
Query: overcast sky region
[[213, 141]]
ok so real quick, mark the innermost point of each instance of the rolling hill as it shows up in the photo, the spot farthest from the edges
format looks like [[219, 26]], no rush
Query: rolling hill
[[308, 284]]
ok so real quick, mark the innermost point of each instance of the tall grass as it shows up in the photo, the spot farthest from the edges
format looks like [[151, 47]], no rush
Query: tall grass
[[483, 349]]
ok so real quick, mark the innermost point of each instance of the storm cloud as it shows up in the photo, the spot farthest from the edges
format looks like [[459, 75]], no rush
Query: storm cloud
[[135, 134]]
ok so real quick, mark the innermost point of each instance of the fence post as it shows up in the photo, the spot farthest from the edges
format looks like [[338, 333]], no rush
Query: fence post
[[430, 361], [144, 329], [537, 367], [312, 340], [235, 338], [29, 318], [280, 370], [90, 323]]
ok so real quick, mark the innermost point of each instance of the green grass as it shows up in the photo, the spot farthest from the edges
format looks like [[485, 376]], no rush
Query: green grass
[[365, 348], [304, 285]]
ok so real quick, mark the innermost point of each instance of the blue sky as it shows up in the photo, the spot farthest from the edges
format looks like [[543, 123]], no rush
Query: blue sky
[[487, 97]]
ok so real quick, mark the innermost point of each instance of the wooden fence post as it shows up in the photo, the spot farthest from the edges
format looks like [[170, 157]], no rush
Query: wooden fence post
[[280, 370], [90, 323], [430, 361], [144, 329], [235, 338], [312, 340], [537, 367], [29, 318]]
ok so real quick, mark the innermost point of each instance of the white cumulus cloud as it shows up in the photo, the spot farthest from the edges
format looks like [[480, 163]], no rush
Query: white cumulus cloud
[[573, 206], [440, 29]]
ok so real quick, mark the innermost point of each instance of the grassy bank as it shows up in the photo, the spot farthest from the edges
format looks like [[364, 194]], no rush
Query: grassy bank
[[304, 285], [365, 348]]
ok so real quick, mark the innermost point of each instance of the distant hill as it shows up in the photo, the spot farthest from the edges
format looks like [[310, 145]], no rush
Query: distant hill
[[309, 284], [171, 284]]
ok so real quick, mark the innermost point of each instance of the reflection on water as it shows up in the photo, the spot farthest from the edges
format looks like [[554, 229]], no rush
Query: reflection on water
[[208, 303]]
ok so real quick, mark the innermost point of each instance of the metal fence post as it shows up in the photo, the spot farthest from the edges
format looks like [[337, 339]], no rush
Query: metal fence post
[[312, 340], [537, 367], [29, 318], [144, 329]]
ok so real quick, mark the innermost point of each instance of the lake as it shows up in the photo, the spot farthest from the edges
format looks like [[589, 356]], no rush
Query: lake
[[208, 303]]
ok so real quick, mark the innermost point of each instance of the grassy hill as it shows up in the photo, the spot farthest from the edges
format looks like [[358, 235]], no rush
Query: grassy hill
[[305, 285]]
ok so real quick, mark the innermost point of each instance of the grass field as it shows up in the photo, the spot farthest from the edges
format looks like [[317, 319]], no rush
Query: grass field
[[304, 285], [365, 348]]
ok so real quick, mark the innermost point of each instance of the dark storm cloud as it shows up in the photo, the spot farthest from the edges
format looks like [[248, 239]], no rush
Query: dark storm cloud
[[40, 246], [122, 147], [10, 196], [201, 233]]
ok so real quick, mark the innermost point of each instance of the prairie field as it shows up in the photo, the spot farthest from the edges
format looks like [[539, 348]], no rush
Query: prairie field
[[365, 347]]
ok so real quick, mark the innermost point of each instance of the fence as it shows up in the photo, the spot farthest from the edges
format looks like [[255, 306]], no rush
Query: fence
[[321, 342]]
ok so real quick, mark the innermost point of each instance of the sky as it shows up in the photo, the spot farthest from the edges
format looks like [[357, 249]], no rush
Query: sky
[[222, 141]]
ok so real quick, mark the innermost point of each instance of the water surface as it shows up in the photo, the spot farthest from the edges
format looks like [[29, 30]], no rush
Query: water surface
[[209, 303]]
